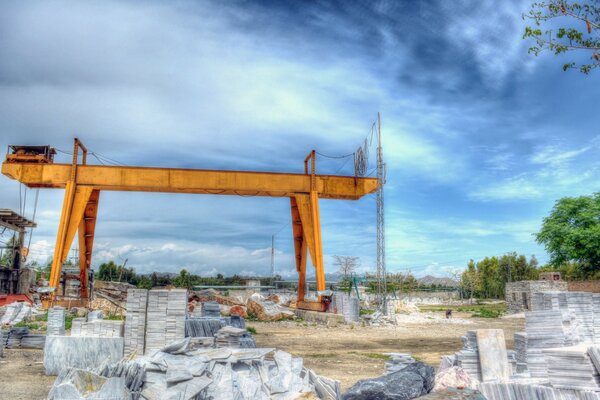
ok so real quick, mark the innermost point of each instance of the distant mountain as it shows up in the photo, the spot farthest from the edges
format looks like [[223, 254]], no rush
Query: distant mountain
[[432, 280]]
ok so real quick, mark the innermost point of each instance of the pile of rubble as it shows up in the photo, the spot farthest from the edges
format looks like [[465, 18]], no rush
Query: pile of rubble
[[227, 365], [110, 297], [178, 373]]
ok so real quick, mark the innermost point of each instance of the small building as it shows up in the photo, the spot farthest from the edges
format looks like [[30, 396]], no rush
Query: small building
[[519, 294]]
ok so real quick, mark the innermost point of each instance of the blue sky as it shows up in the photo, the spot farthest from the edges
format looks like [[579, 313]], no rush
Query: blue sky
[[480, 138]]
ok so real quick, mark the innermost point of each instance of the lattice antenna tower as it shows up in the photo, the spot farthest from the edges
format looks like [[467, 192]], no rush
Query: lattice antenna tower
[[381, 269], [272, 256]]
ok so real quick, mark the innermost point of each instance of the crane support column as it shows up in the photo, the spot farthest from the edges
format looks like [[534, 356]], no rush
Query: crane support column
[[87, 227], [306, 223]]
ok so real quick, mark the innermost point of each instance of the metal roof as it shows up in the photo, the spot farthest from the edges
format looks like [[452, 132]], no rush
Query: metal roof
[[14, 221]]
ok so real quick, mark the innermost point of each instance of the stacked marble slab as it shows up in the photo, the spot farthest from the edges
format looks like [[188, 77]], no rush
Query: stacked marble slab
[[596, 306], [229, 336], [56, 321], [582, 306], [15, 335], [165, 317], [203, 327], [211, 309], [530, 391], [468, 357], [544, 330], [33, 341], [135, 321], [3, 338], [571, 368], [98, 327], [520, 352]]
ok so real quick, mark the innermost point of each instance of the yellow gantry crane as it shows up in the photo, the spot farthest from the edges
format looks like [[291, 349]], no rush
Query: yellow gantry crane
[[34, 167]]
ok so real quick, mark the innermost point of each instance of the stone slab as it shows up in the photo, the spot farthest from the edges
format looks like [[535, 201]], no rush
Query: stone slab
[[80, 352], [493, 358]]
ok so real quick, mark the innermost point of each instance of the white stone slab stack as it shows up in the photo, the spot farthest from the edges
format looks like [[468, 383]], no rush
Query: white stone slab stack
[[97, 328], [571, 368], [544, 331], [135, 321], [56, 321], [165, 318], [596, 303], [581, 305], [468, 357], [521, 351]]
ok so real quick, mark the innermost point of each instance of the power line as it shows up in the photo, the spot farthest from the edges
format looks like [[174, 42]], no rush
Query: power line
[[335, 157]]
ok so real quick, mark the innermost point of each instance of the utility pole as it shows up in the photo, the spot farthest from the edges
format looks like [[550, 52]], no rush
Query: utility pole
[[381, 270], [272, 256]]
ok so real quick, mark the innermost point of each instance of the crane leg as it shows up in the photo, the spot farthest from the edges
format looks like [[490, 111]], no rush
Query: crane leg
[[74, 204], [87, 227], [310, 231], [300, 248]]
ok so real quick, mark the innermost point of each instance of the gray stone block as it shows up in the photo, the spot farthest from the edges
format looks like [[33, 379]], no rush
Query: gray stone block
[[80, 352]]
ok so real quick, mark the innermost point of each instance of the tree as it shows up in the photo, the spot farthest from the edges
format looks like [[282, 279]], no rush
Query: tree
[[571, 233], [184, 280], [346, 265], [580, 30], [469, 280]]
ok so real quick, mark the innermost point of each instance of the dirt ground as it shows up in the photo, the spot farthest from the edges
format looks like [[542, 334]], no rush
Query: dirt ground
[[346, 353], [349, 354], [22, 375]]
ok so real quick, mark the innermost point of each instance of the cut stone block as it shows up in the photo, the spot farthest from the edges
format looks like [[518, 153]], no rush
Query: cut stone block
[[80, 352]]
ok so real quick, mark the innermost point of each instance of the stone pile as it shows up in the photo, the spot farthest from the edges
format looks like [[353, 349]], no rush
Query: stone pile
[[56, 321], [266, 310], [204, 327], [135, 321], [203, 374], [211, 309], [229, 336]]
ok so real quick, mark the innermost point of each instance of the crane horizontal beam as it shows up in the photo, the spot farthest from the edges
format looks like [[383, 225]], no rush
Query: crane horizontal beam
[[195, 181]]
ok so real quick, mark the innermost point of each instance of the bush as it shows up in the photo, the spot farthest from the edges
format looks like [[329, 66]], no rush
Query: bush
[[487, 313], [251, 329]]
